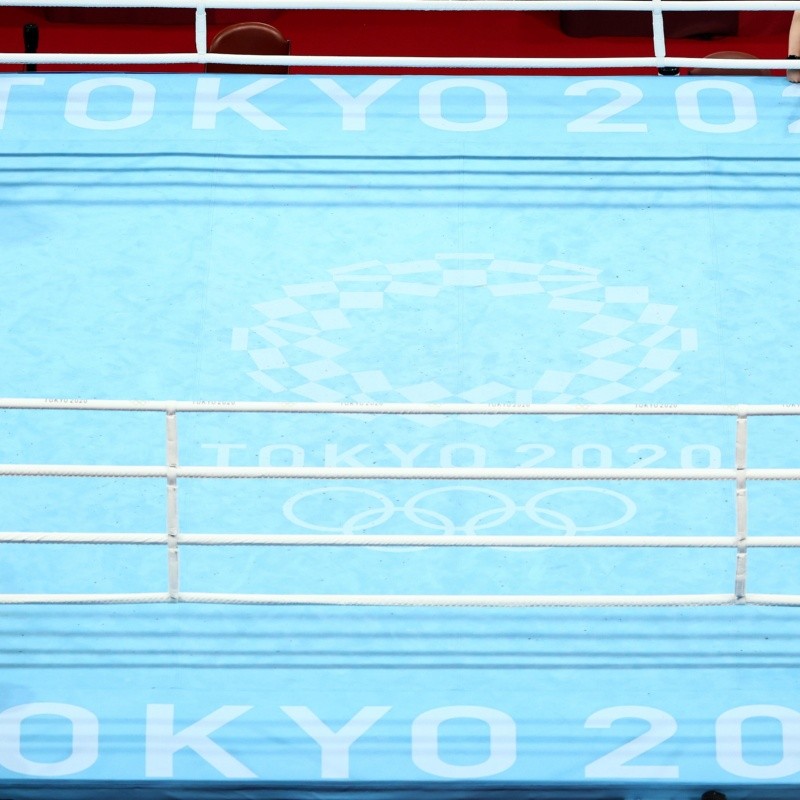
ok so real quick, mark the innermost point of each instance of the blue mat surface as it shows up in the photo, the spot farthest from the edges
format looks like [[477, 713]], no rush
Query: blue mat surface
[[415, 239]]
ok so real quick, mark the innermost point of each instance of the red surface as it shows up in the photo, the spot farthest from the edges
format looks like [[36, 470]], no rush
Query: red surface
[[423, 33]]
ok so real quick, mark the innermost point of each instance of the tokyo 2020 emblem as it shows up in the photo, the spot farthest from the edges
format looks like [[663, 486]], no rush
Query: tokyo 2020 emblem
[[464, 328]]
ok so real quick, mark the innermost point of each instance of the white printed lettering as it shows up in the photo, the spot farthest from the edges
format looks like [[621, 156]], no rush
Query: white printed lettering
[[223, 452], [333, 458], [495, 101], [208, 104], [162, 742], [476, 452], [335, 745], [85, 737], [354, 109], [730, 742], [406, 459], [143, 103], [297, 455], [5, 92], [502, 742]]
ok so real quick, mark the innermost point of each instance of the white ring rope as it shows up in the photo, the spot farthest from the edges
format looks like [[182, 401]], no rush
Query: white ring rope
[[440, 601], [773, 599], [425, 600], [430, 5], [549, 409], [375, 540], [455, 601], [171, 472], [84, 599], [412, 62], [201, 56], [401, 473], [391, 473], [393, 540]]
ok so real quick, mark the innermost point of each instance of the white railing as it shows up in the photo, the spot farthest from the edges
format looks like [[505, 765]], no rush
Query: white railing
[[659, 60], [738, 540]]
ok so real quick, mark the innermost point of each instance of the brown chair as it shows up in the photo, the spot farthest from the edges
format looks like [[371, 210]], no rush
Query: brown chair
[[250, 38], [722, 71]]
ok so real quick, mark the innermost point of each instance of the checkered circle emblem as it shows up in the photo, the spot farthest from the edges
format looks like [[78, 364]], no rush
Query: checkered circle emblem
[[304, 346]]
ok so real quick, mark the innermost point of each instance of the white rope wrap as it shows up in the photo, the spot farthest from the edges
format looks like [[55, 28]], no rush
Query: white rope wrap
[[460, 601], [402, 473], [393, 540], [387, 473], [426, 600], [411, 62], [84, 599], [478, 409], [655, 7], [375, 540], [431, 5], [173, 538], [773, 599]]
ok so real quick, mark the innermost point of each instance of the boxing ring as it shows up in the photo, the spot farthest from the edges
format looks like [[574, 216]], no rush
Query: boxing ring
[[399, 437]]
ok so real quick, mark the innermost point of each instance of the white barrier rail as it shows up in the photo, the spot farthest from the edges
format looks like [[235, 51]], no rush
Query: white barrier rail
[[173, 538], [659, 60]]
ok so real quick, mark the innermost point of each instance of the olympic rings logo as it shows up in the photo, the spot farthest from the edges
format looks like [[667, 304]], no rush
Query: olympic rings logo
[[562, 509]]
